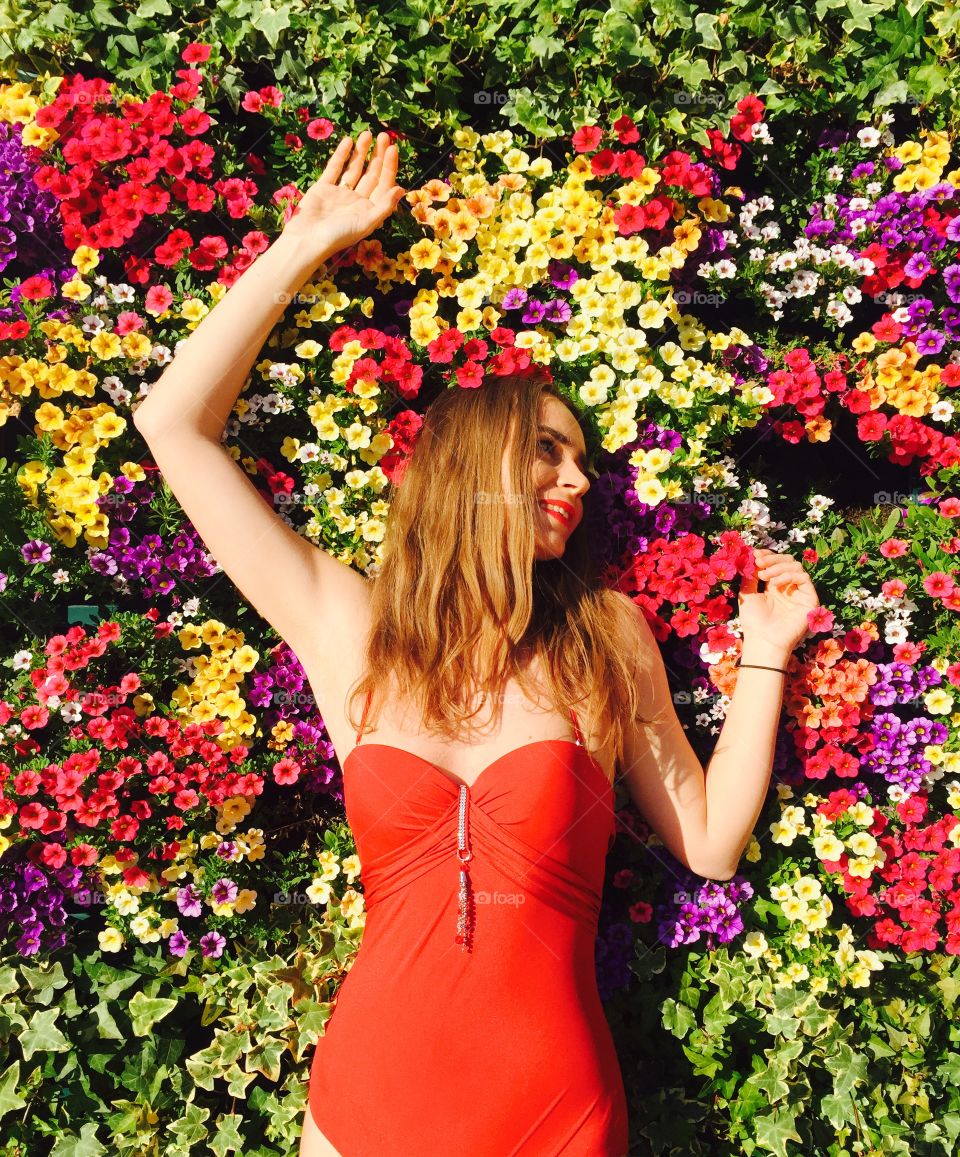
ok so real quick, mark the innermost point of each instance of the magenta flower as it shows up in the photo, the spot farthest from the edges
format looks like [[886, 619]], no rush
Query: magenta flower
[[212, 945], [36, 550]]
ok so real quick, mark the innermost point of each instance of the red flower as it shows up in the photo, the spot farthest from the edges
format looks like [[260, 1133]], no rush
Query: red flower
[[587, 138]]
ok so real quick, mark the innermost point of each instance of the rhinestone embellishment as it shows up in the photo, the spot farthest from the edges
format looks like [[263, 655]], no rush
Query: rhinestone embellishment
[[465, 904]]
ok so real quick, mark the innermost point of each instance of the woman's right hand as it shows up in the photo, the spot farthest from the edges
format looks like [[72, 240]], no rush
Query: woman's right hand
[[339, 210]]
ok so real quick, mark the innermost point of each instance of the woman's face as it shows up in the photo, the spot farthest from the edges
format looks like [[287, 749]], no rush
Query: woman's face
[[559, 477]]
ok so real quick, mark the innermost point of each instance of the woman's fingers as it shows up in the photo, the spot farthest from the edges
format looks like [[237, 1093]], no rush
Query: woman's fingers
[[355, 167], [372, 177], [334, 166]]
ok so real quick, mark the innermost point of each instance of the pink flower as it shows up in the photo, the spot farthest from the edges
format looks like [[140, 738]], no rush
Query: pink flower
[[195, 53], [319, 129], [939, 584], [950, 508], [820, 619], [894, 588], [286, 771], [641, 912], [894, 548]]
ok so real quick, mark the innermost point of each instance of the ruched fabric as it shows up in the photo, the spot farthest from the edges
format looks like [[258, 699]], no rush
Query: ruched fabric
[[494, 1045]]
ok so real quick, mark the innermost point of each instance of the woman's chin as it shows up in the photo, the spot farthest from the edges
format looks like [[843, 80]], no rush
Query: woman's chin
[[546, 551]]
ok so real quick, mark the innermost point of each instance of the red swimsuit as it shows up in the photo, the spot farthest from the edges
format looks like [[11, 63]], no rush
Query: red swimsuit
[[493, 1044]]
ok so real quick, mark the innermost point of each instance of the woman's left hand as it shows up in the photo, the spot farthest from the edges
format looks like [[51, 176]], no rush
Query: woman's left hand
[[778, 615]]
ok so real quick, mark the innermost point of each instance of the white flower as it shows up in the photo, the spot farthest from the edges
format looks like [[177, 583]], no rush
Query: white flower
[[868, 137], [21, 660]]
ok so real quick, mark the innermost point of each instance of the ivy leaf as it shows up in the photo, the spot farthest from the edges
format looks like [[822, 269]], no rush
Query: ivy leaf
[[544, 47], [10, 1099], [771, 1082], [42, 1034], [86, 1145], [145, 1011], [271, 23], [775, 1130], [706, 25], [677, 1018], [848, 1068], [227, 1137], [838, 1110]]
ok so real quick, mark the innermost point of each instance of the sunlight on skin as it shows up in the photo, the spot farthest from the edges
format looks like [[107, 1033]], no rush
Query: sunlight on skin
[[556, 475]]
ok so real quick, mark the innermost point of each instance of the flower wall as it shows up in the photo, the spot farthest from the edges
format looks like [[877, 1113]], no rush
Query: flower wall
[[759, 362]]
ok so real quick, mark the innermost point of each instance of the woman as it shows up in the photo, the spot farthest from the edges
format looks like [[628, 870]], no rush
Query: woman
[[470, 1021]]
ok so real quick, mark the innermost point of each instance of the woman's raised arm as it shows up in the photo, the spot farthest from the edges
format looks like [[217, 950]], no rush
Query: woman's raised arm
[[297, 587]]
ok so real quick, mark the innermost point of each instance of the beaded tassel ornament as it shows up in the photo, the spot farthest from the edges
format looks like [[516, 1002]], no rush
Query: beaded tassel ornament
[[465, 909]]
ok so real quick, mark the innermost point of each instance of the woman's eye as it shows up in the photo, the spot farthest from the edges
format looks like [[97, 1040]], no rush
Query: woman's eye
[[546, 442]]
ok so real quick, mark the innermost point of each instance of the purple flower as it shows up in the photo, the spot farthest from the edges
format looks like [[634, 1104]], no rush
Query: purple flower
[[212, 945], [224, 891], [188, 901], [562, 276], [179, 943], [36, 551], [951, 282], [558, 311], [534, 312], [930, 342], [514, 298], [918, 266]]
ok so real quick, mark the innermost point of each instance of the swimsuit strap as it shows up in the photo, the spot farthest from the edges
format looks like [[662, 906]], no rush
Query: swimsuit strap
[[576, 727], [363, 718]]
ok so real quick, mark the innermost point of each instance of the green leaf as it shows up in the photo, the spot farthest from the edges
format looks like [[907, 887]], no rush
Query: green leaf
[[227, 1138], [145, 1011], [771, 1082], [86, 1145], [894, 517], [774, 1130], [42, 1034], [10, 1099], [544, 46], [837, 1110], [848, 1069], [677, 1018], [271, 23], [44, 980], [706, 25]]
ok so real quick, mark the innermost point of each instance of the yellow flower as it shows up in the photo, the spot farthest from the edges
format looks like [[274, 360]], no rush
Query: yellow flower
[[783, 832], [862, 844], [111, 940], [794, 908], [808, 888], [828, 847], [308, 348], [755, 943], [862, 814], [938, 702], [861, 866], [351, 903], [319, 891], [329, 868], [650, 491], [858, 976]]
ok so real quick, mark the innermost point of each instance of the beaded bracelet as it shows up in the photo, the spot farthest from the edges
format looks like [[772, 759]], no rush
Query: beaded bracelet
[[762, 667]]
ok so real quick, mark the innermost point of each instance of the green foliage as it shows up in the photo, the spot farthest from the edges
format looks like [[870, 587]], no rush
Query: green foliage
[[423, 65], [144, 1057]]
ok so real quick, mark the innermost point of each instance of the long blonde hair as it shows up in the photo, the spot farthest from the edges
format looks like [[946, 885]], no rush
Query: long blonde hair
[[459, 596]]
